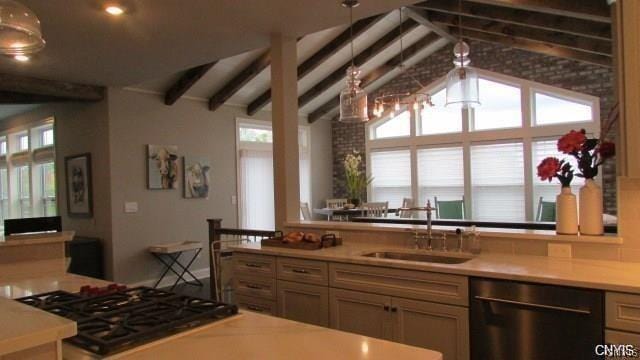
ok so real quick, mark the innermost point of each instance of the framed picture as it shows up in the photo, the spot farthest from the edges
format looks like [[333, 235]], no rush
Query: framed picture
[[162, 167], [196, 177], [79, 187]]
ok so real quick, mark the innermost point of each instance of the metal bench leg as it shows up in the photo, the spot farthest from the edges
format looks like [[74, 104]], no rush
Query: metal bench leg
[[185, 269], [167, 266]]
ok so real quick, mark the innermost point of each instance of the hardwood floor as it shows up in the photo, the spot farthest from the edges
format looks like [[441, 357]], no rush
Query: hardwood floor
[[197, 291]]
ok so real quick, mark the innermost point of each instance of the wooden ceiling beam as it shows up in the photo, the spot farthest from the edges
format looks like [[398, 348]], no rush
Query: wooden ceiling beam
[[538, 47], [185, 82], [424, 42], [594, 10], [367, 54], [318, 58], [552, 22], [600, 47], [24, 88], [420, 16]]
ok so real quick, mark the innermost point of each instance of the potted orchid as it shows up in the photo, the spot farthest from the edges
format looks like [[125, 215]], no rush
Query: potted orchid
[[355, 179], [566, 206]]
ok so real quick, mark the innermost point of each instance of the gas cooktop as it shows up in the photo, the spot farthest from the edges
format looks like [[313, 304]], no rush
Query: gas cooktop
[[127, 318]]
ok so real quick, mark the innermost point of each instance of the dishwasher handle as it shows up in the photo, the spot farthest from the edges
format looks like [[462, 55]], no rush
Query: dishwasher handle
[[533, 305]]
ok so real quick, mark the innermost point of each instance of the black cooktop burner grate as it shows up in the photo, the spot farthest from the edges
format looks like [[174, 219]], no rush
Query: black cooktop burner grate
[[113, 322]]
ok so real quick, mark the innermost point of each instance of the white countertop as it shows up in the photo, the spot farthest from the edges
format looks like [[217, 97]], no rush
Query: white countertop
[[593, 274]]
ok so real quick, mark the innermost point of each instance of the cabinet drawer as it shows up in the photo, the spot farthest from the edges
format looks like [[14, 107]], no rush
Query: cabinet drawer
[[623, 311], [262, 306], [255, 286], [262, 265], [302, 302], [622, 338], [304, 271], [420, 285]]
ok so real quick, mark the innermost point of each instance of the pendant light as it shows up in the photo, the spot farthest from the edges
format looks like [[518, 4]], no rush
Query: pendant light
[[20, 32], [462, 80], [391, 103], [353, 100]]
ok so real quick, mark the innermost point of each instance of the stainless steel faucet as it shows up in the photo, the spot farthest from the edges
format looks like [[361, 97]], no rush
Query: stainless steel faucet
[[429, 209]]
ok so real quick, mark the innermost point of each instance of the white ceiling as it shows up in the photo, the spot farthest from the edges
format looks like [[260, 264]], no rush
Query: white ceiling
[[160, 37]]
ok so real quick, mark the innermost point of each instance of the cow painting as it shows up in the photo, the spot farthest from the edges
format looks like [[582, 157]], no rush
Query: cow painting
[[196, 177], [162, 163]]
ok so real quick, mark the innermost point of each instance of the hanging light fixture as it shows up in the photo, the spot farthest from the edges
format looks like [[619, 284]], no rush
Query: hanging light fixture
[[462, 80], [20, 32], [353, 100], [392, 103]]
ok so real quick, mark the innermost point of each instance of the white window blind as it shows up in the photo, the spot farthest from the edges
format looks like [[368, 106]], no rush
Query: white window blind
[[497, 180], [555, 110], [256, 190], [397, 126], [391, 171], [500, 107], [440, 119], [440, 174]]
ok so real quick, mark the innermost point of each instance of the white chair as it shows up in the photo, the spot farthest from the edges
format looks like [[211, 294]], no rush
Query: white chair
[[406, 203], [376, 209], [305, 211], [336, 204]]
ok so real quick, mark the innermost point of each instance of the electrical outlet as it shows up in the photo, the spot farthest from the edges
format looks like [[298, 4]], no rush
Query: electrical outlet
[[559, 250], [234, 200], [130, 207]]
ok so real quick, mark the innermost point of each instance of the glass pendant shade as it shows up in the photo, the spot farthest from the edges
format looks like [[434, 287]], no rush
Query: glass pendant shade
[[20, 32], [462, 80], [353, 100]]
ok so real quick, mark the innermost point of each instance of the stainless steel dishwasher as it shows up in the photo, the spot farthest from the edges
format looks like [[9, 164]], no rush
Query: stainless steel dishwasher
[[514, 320]]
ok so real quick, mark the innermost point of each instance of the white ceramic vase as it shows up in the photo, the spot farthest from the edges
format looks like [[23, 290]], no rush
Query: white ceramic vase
[[566, 212], [591, 209]]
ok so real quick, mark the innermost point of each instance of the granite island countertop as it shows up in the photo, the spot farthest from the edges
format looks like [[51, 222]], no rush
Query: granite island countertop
[[592, 274]]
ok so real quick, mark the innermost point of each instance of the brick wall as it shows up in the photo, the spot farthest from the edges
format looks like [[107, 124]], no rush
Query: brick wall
[[567, 74]]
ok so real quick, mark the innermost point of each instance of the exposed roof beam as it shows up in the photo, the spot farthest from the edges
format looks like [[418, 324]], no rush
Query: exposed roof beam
[[318, 58], [378, 73], [535, 46], [595, 10], [185, 82], [420, 16], [23, 88], [601, 47], [359, 59], [240, 80], [586, 28]]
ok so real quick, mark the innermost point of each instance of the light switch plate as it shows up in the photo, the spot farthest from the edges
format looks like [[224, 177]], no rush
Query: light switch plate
[[130, 207], [559, 250]]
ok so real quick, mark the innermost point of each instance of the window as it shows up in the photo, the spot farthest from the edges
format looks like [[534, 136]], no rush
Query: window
[[46, 137], [439, 119], [551, 110], [255, 173], [391, 171], [440, 174], [48, 179], [497, 182], [4, 194], [24, 191], [397, 126], [500, 107], [3, 147], [23, 142]]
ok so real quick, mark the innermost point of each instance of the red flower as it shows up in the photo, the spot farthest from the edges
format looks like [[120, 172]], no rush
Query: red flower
[[548, 168], [572, 142], [607, 149]]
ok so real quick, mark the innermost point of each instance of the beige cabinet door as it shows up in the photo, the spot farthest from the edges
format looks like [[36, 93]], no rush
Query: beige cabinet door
[[360, 313], [438, 327], [305, 303]]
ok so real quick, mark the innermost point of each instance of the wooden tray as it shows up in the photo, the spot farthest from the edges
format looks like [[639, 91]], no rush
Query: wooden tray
[[328, 240]]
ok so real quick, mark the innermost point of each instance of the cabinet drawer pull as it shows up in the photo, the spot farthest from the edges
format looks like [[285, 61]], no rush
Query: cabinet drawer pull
[[386, 308], [255, 308], [533, 305], [255, 287], [252, 265], [394, 309], [300, 271]]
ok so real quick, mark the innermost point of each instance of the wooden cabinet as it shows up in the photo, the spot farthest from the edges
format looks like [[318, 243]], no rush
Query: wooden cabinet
[[301, 270], [360, 313], [302, 302], [257, 304], [439, 327], [623, 311]]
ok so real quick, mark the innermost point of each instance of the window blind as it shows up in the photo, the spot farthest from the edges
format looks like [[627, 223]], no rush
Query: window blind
[[391, 171], [497, 182], [440, 174], [256, 190]]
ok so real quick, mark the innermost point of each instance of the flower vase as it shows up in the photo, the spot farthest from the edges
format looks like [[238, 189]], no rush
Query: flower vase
[[566, 212], [591, 209]]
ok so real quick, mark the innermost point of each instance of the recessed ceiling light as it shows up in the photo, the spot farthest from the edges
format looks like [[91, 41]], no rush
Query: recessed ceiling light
[[114, 10], [21, 58]]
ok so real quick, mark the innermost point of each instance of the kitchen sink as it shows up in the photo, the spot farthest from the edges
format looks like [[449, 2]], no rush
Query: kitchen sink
[[419, 257]]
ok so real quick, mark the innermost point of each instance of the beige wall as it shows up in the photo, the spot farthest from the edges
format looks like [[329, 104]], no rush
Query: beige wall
[[164, 216]]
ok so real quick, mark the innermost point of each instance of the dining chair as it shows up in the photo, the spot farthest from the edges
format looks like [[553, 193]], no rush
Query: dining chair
[[449, 209], [336, 204], [546, 210], [406, 203], [376, 209], [306, 212]]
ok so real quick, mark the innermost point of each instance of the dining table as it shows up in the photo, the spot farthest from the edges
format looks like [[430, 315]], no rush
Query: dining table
[[347, 213]]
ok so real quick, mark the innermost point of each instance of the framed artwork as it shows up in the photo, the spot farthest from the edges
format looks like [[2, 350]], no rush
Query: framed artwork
[[162, 167], [196, 177], [79, 188]]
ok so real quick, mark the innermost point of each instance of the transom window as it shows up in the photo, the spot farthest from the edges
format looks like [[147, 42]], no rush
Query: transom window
[[484, 158]]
